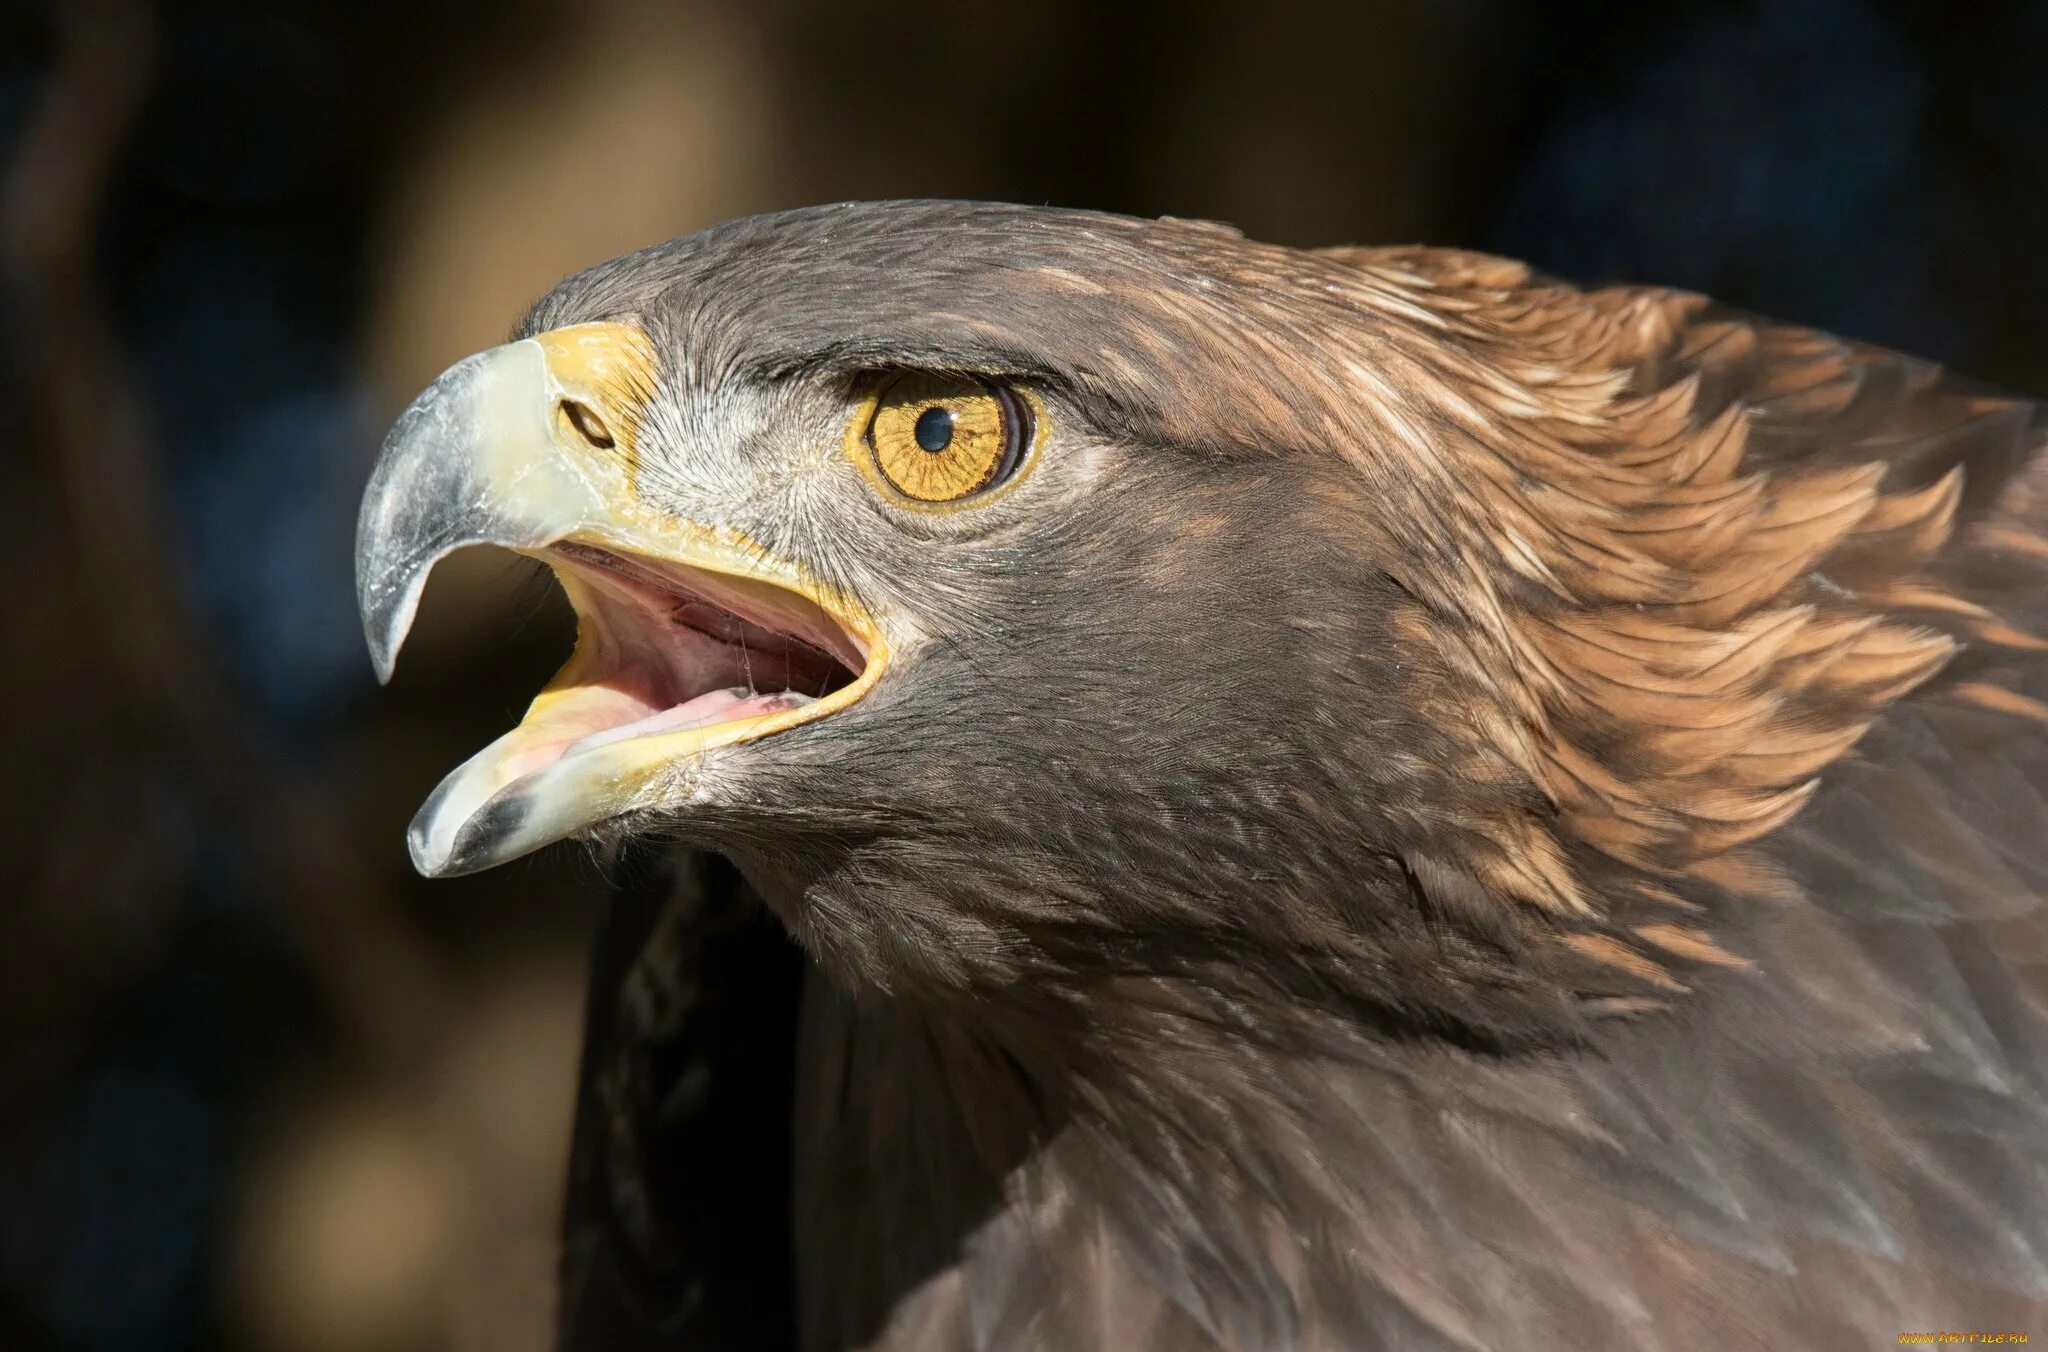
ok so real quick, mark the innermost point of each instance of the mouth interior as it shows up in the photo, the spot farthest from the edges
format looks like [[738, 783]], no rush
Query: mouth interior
[[665, 648]]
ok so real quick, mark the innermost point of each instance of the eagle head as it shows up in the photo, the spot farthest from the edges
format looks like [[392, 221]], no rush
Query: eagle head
[[1033, 601]]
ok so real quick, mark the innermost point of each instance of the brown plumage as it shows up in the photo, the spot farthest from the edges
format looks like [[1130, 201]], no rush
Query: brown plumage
[[1671, 613], [1447, 810]]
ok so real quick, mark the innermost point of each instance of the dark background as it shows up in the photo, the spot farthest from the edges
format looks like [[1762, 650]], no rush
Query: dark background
[[261, 1087]]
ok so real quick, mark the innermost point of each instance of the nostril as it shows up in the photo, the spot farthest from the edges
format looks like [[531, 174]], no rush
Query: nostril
[[588, 425]]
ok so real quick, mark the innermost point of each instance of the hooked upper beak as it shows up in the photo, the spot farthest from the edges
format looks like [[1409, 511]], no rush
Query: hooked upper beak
[[534, 447]]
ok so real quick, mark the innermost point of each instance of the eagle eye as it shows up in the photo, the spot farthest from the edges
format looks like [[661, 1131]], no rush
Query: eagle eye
[[938, 438]]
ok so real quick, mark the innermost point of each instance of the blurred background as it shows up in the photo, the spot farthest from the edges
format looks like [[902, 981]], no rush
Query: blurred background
[[262, 1088]]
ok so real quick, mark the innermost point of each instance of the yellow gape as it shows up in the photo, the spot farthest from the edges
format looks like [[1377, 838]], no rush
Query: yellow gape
[[941, 438]]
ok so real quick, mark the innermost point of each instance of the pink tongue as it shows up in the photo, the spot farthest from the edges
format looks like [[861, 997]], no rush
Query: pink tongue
[[714, 706]]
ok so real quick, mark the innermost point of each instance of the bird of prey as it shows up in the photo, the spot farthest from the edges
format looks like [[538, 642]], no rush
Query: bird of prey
[[1330, 799]]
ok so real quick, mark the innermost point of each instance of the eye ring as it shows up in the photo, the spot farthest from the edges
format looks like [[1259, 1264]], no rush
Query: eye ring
[[938, 440]]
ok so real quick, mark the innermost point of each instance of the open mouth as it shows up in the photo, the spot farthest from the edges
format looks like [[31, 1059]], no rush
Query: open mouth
[[667, 648], [674, 656]]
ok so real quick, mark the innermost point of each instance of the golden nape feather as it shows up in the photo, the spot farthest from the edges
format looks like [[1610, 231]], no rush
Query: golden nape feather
[[1697, 555]]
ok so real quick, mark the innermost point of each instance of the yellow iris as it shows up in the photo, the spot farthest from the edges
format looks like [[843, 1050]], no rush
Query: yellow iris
[[939, 438]]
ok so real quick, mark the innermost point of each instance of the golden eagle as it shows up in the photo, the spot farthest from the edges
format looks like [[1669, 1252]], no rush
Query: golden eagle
[[1344, 799]]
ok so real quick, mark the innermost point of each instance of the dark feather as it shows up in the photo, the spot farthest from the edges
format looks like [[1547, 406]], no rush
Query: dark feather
[[676, 1231]]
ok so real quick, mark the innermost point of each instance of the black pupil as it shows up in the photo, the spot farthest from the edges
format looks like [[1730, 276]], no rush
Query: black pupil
[[935, 429]]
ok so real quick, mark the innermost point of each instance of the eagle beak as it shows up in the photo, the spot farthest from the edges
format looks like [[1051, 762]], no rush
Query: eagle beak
[[689, 635]]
